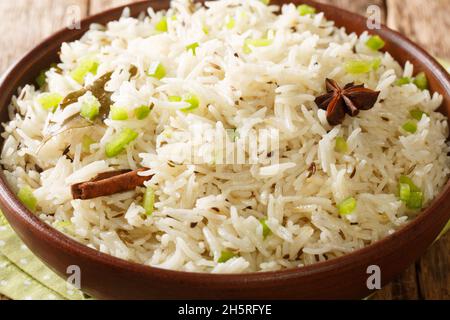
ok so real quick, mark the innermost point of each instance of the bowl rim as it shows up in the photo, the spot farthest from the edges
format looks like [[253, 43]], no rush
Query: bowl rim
[[12, 204]]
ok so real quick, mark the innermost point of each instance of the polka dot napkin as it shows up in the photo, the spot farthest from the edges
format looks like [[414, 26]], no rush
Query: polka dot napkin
[[25, 277]]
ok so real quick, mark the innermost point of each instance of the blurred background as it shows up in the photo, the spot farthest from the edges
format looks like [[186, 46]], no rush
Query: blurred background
[[24, 23]]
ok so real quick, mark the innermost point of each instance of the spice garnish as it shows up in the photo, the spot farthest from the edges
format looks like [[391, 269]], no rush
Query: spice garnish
[[312, 170], [109, 183], [66, 153], [98, 91], [353, 173], [351, 99]]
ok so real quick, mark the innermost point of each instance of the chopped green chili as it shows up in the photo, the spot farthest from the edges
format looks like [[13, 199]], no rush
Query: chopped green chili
[[119, 113], [63, 225], [304, 10], [225, 256], [407, 180], [404, 80], [410, 193], [231, 23], [410, 126], [341, 145], [161, 25], [404, 191], [148, 202], [375, 43], [27, 197], [361, 66], [118, 144], [190, 98], [87, 65], [90, 109], [376, 63], [418, 114], [265, 228], [175, 99], [157, 71], [263, 42], [347, 206], [142, 112], [193, 101], [421, 81], [193, 47], [41, 79], [415, 201], [49, 101]]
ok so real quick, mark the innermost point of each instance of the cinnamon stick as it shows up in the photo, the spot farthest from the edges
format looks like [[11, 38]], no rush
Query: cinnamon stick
[[109, 183]]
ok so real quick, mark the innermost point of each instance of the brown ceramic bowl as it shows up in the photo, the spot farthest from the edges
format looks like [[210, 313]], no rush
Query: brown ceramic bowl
[[106, 277]]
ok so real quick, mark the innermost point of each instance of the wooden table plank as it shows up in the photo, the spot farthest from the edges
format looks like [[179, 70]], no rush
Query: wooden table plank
[[31, 26], [403, 288], [101, 5], [426, 22], [434, 271], [358, 6]]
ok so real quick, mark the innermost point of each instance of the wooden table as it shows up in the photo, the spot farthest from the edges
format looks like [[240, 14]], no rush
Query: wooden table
[[24, 23]]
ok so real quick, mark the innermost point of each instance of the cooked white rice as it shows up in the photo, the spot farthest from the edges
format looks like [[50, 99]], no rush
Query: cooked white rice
[[204, 208]]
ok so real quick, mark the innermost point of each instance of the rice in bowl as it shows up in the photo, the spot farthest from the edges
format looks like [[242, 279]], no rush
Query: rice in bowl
[[217, 108]]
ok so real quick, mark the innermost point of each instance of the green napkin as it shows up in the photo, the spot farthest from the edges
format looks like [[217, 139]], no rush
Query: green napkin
[[23, 276]]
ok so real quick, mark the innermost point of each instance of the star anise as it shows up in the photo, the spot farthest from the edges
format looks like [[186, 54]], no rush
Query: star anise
[[348, 100]]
